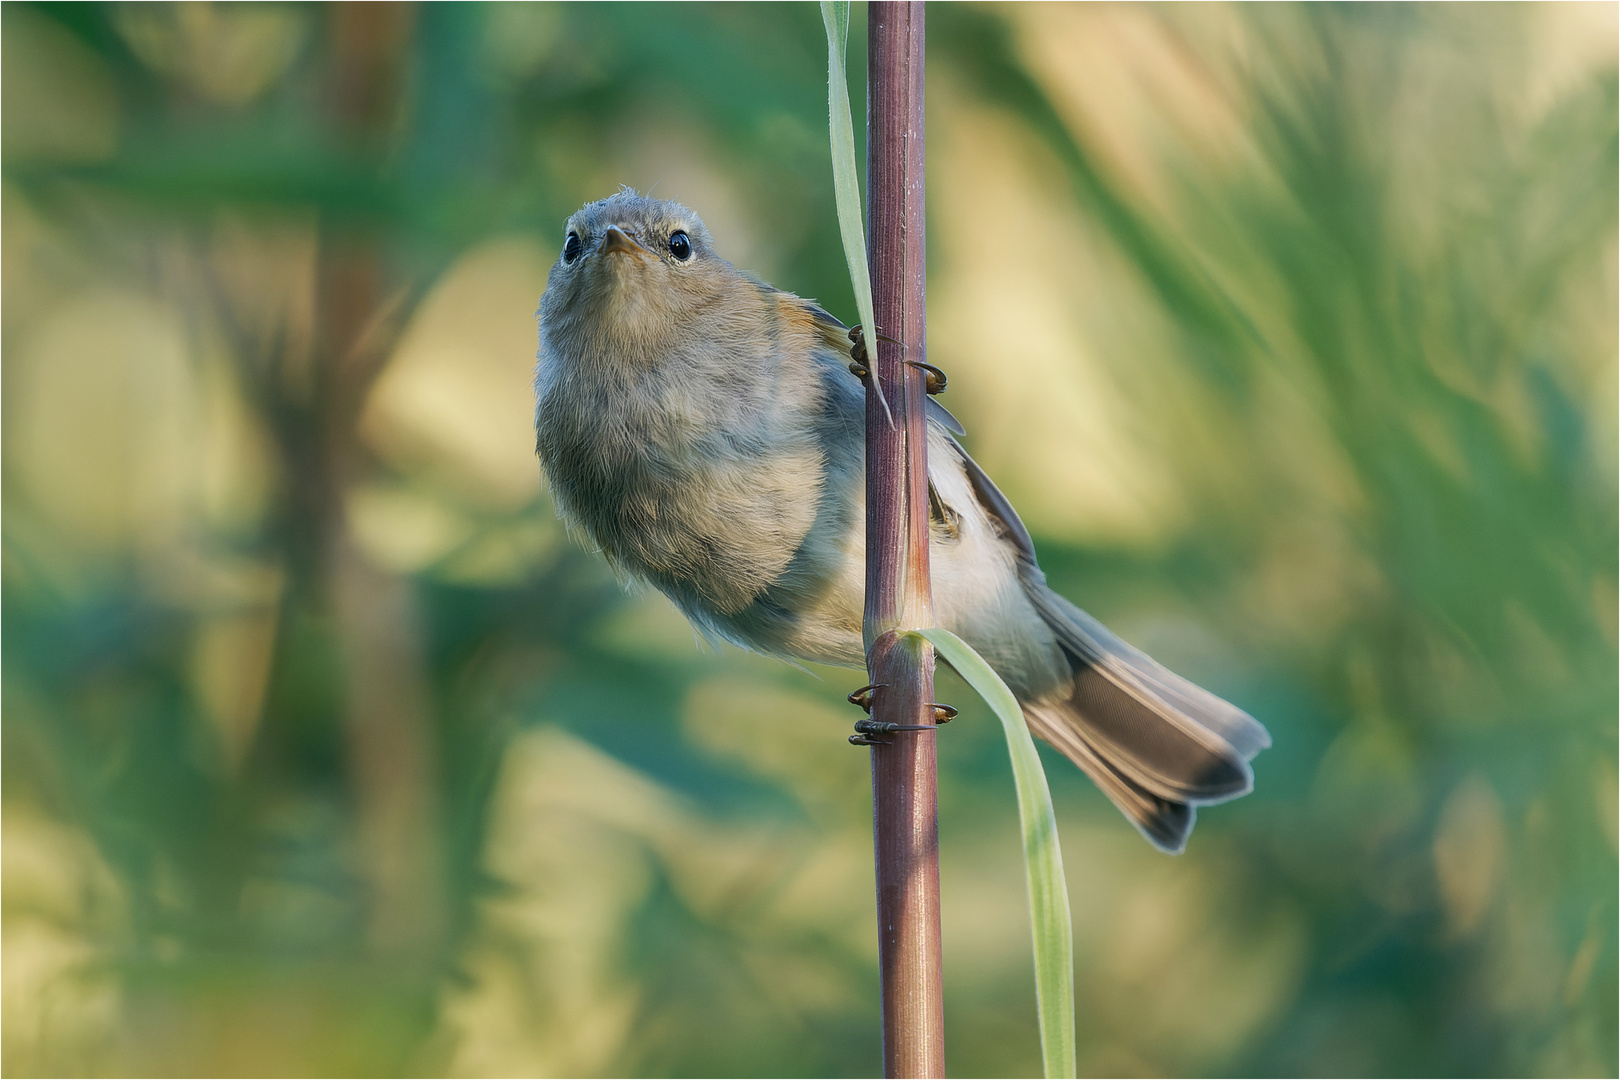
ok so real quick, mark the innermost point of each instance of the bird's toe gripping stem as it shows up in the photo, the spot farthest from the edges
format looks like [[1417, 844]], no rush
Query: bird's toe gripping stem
[[860, 362], [933, 378], [866, 731]]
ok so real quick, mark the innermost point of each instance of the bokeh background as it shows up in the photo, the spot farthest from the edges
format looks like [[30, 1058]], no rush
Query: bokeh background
[[1290, 329]]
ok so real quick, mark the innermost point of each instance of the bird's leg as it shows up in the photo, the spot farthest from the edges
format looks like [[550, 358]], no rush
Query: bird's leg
[[866, 730], [860, 362], [863, 697]]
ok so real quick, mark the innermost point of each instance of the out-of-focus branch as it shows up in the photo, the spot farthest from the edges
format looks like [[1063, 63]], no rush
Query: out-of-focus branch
[[391, 751]]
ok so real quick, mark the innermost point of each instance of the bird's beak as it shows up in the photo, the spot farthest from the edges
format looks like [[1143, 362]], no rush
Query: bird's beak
[[616, 239]]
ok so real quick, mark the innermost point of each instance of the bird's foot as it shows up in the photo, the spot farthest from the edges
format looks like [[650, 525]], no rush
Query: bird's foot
[[933, 378], [866, 731], [860, 364], [863, 697]]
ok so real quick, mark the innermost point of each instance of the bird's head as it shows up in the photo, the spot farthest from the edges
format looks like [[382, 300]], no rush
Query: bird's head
[[633, 271]]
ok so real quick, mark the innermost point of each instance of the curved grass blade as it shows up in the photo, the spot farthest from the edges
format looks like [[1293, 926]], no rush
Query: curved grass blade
[[1043, 860], [846, 181]]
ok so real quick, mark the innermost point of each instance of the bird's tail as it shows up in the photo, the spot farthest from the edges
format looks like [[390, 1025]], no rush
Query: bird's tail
[[1157, 745]]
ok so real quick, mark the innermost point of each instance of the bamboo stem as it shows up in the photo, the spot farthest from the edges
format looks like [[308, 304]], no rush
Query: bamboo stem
[[898, 595]]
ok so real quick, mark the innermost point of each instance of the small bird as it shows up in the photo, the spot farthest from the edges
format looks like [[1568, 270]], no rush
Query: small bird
[[703, 429]]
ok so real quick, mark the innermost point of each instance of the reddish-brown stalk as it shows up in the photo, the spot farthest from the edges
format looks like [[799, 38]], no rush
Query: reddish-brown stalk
[[898, 596]]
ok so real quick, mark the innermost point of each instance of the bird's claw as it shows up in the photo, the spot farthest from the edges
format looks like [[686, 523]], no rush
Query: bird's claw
[[860, 364], [866, 731], [857, 337], [863, 696], [933, 378], [888, 727]]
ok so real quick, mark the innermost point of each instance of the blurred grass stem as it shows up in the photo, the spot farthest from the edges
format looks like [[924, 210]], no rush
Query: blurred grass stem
[[391, 752]]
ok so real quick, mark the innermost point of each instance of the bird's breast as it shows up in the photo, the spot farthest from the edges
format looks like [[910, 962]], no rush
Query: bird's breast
[[706, 500]]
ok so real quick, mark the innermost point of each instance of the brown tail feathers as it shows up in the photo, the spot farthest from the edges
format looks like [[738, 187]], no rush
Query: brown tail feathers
[[1156, 744]]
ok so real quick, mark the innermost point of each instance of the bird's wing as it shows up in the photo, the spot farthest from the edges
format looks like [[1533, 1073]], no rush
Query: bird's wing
[[940, 415], [990, 498]]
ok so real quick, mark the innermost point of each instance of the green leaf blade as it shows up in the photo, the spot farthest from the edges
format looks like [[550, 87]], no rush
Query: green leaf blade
[[1050, 923], [846, 180]]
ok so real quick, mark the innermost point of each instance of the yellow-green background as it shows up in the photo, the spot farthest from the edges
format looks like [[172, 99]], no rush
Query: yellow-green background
[[1290, 330]]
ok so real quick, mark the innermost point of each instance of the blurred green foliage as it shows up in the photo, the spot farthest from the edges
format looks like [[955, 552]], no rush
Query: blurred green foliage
[[1292, 329]]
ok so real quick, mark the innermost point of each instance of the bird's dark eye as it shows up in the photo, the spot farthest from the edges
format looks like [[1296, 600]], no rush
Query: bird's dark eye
[[571, 248], [680, 246]]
